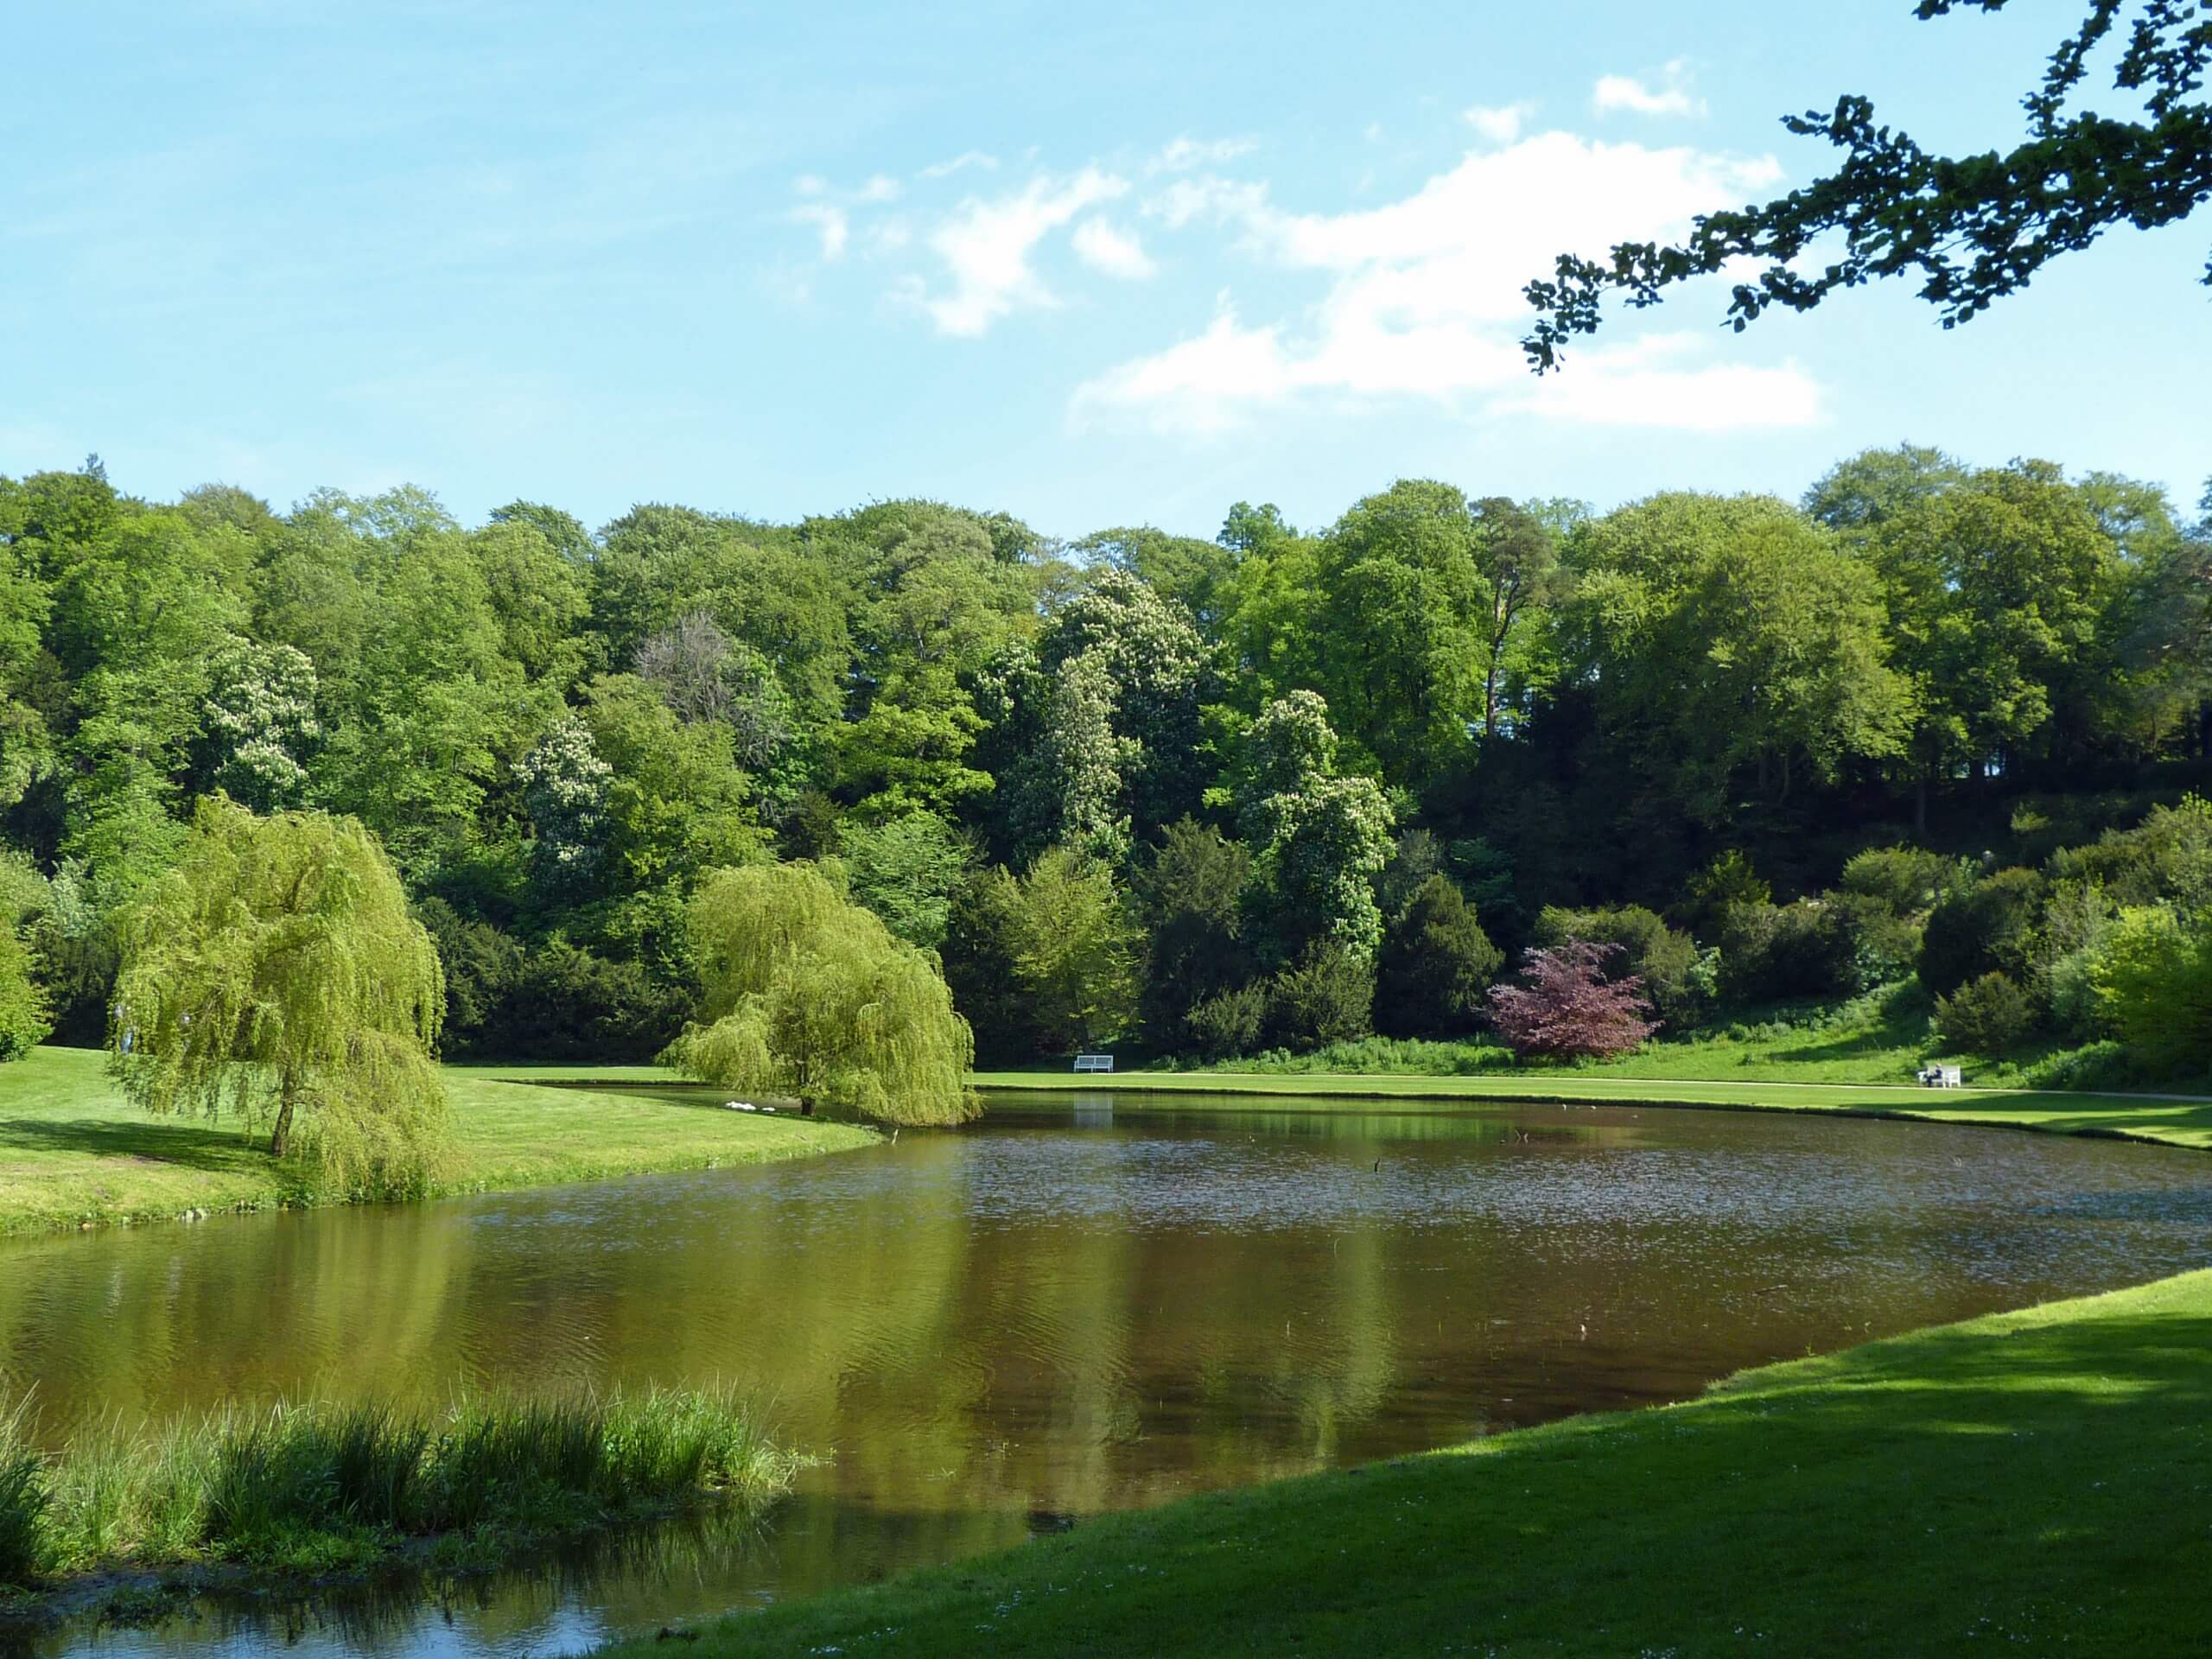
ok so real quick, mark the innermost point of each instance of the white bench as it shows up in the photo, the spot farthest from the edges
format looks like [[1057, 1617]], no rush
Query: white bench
[[1941, 1076], [1094, 1062]]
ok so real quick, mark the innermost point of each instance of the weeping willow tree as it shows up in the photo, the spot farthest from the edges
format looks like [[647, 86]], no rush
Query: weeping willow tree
[[808, 994], [276, 975]]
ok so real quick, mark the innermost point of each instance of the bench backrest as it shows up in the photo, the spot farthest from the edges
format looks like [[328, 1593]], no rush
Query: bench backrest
[[1094, 1062]]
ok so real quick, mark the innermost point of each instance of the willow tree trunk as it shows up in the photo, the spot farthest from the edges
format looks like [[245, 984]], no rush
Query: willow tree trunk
[[287, 1097]]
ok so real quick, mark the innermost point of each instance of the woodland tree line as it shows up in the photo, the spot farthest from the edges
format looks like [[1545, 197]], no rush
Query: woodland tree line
[[1273, 790]]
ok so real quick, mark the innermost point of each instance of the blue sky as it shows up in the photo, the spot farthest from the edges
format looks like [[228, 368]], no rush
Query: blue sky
[[1097, 265]]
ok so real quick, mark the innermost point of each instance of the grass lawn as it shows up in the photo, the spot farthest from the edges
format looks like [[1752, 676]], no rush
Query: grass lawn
[[2038, 1480], [74, 1151], [2141, 1117]]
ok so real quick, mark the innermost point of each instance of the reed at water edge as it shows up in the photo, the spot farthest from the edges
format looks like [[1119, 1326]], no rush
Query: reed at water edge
[[323, 1488]]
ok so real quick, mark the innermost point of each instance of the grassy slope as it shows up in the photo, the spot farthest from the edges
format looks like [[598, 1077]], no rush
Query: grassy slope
[[73, 1151], [2037, 1480], [2181, 1122], [1883, 1036]]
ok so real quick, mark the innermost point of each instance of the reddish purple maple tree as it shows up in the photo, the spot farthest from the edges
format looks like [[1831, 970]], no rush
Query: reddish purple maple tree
[[1565, 1008]]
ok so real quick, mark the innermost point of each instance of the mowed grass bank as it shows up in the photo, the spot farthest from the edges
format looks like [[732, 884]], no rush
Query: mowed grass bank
[[2039, 1480], [2186, 1122], [74, 1151]]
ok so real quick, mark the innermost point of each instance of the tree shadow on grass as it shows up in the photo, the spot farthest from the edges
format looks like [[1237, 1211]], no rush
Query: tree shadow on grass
[[1933, 1471], [2054, 1479], [2002, 1368], [699, 1098], [581, 1092], [188, 1145], [1902, 1026], [2152, 1118]]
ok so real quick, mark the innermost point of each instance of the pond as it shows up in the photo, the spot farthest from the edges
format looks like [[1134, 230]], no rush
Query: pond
[[1075, 1306]]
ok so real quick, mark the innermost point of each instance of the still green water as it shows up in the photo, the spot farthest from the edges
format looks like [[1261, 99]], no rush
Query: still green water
[[1069, 1308]]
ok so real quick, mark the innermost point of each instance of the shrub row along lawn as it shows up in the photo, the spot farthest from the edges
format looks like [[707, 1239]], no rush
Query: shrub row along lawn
[[2037, 1480], [332, 1489], [74, 1152], [2186, 1122]]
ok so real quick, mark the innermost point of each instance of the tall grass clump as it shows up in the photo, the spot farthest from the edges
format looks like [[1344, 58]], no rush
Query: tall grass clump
[[323, 1487], [23, 1502], [671, 1441], [492, 1465]]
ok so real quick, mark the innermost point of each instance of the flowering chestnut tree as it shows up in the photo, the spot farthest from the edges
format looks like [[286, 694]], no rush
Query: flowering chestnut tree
[[1565, 1008]]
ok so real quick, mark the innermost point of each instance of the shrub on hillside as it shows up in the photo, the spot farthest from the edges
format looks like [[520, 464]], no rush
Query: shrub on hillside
[[983, 935], [1222, 1027], [1568, 1007], [24, 1019], [1905, 880], [570, 1004], [1884, 943], [2066, 989], [2155, 982], [1328, 997], [26, 913], [1416, 858], [1487, 877], [76, 951], [2166, 859], [2103, 1064], [1727, 881], [1774, 953], [1986, 926], [1434, 964], [1190, 898], [483, 967], [1664, 958], [1988, 1015], [2077, 924]]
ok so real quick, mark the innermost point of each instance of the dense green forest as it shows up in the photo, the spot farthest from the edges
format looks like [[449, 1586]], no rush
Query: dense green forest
[[1270, 790]]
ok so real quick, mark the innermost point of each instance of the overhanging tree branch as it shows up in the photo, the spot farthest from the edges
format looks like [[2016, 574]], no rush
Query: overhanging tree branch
[[1975, 228]]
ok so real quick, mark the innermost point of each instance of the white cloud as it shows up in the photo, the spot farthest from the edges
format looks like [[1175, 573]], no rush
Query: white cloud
[[1615, 94], [1210, 200], [1204, 384], [828, 208], [966, 158], [986, 245], [1103, 246], [1498, 123], [1660, 381], [1423, 297], [829, 223], [1184, 153]]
